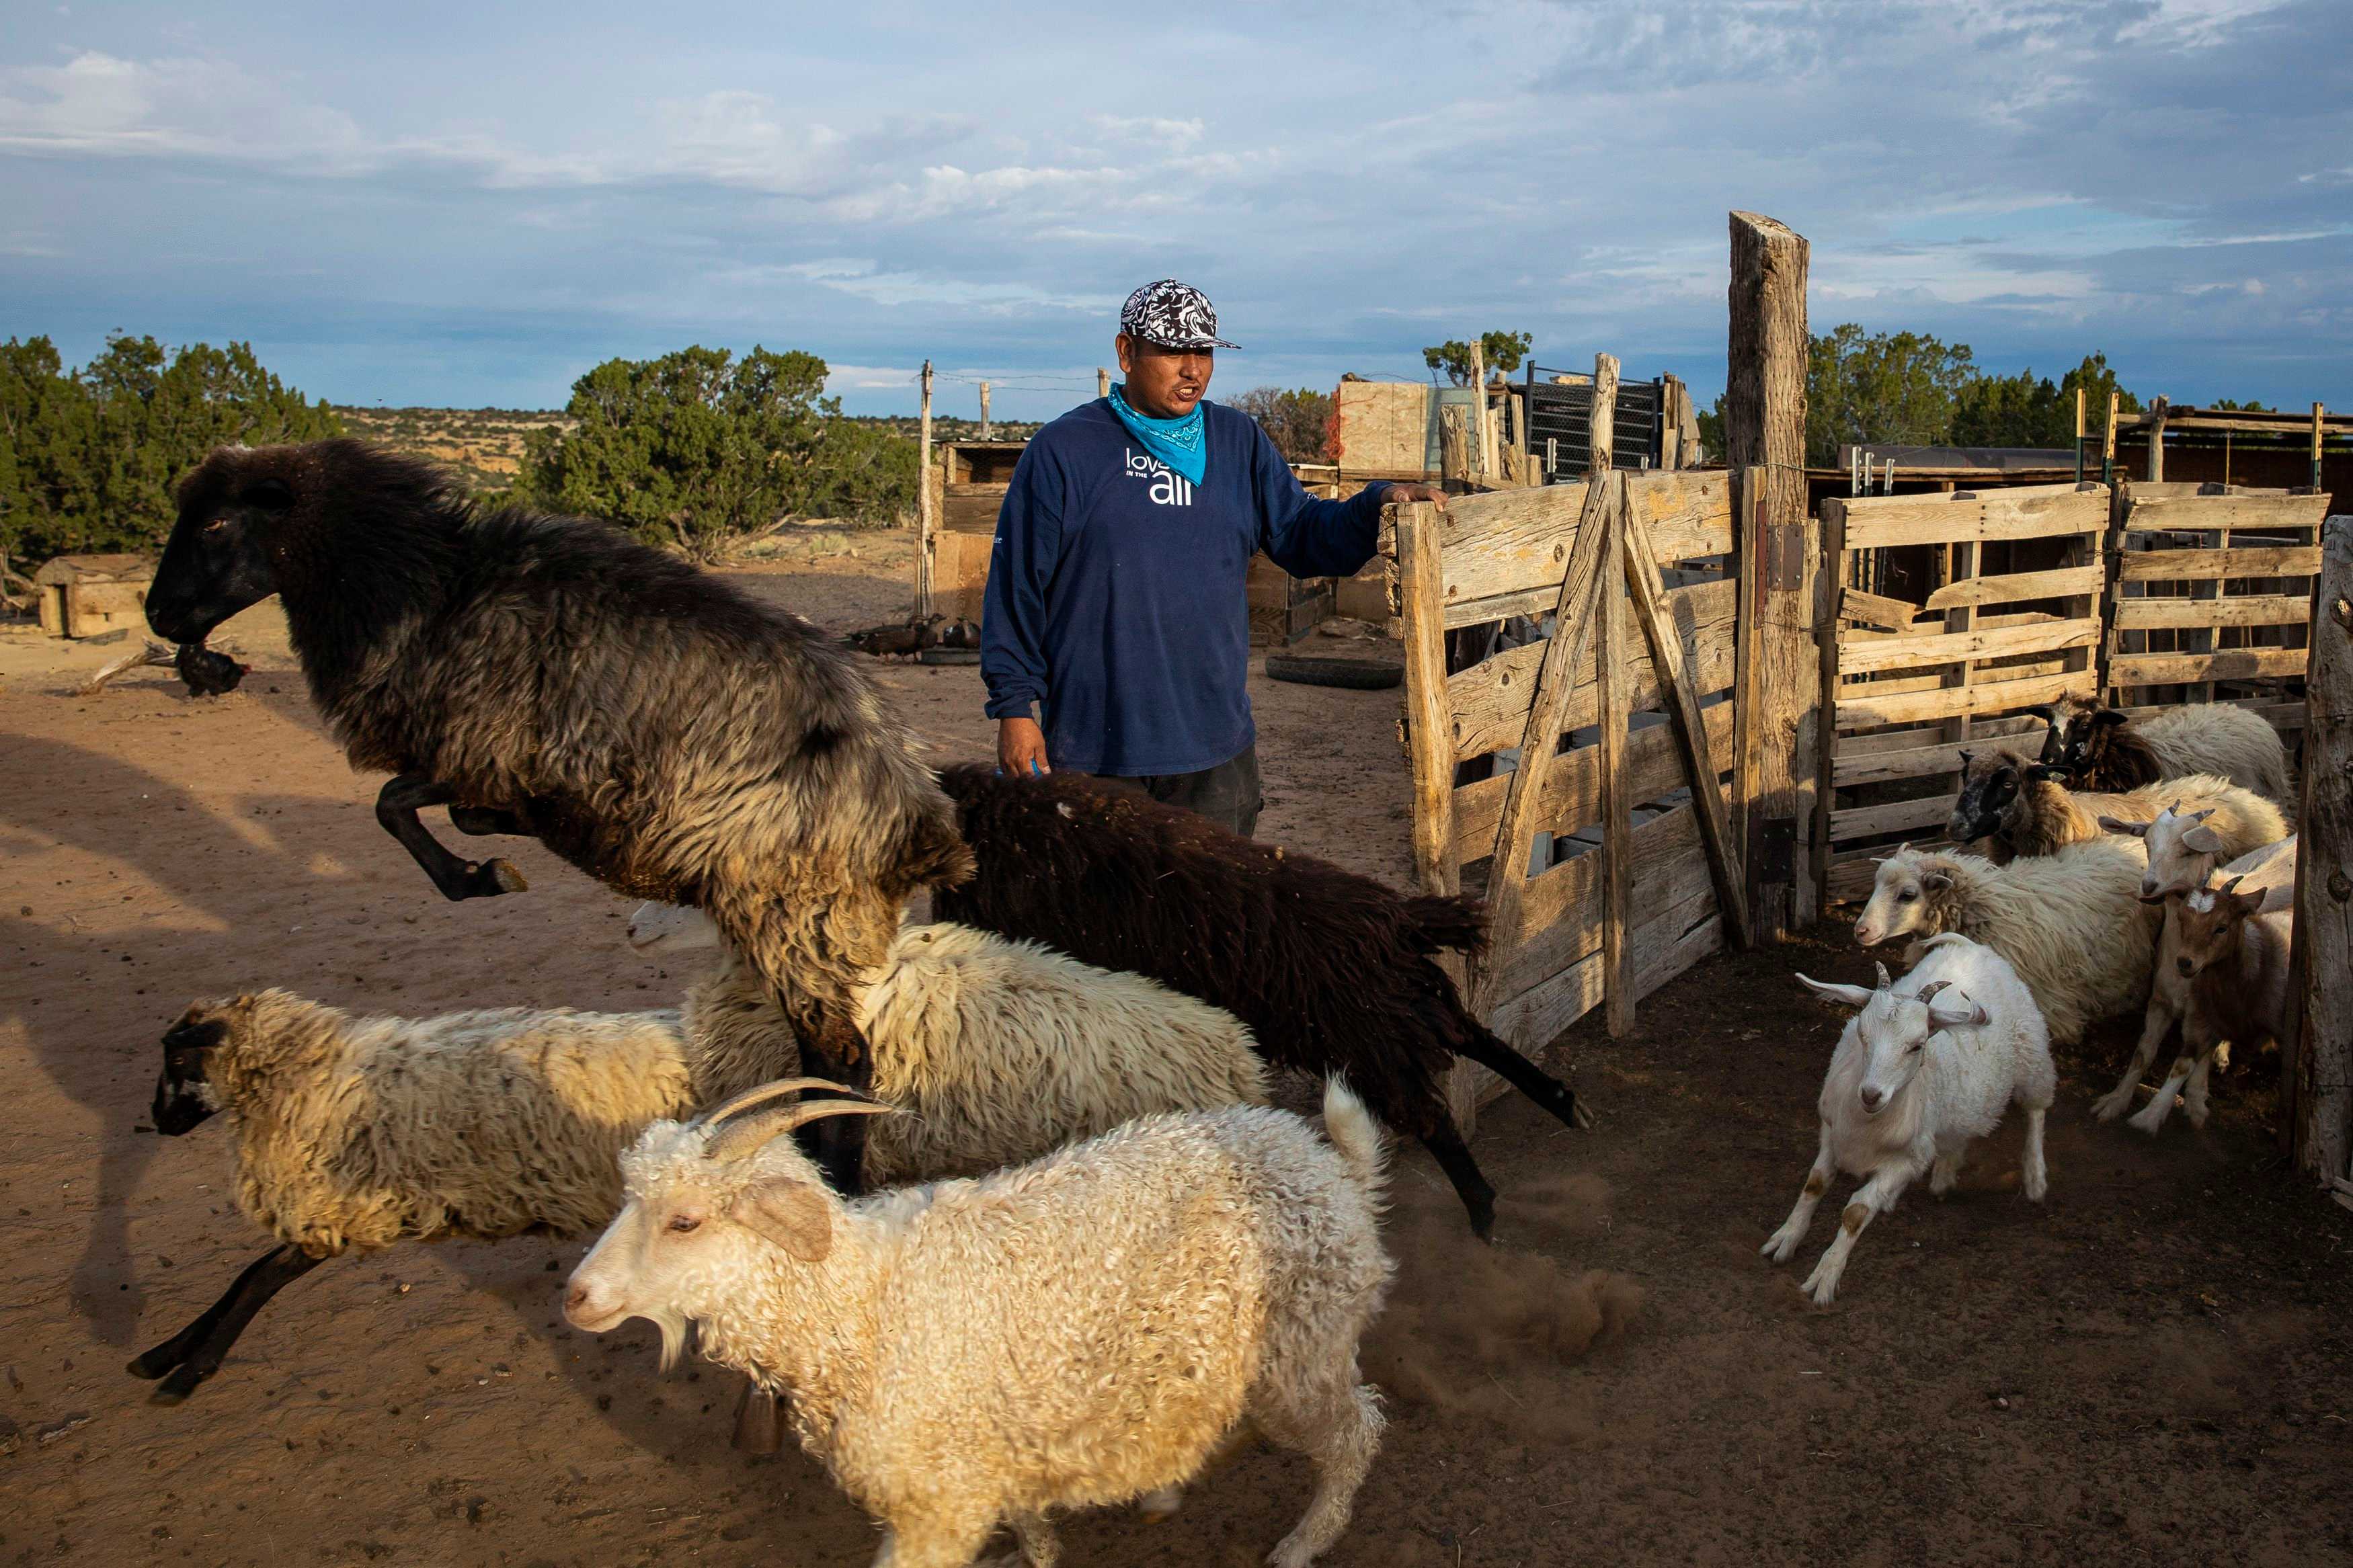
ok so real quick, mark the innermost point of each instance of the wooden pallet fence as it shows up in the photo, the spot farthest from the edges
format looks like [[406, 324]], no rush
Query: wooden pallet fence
[[1602, 840], [2317, 1074], [1906, 688], [2211, 596]]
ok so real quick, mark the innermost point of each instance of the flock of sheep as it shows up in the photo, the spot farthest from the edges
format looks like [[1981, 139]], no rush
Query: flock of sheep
[[1021, 1159], [2136, 863]]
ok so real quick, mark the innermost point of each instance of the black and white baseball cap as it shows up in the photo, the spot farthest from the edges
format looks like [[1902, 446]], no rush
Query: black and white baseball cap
[[1172, 315]]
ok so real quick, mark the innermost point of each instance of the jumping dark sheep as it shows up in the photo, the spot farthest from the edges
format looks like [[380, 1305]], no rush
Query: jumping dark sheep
[[1331, 971], [660, 730]]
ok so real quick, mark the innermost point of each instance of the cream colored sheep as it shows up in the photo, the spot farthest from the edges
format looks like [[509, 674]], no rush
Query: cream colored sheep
[[2103, 749], [2018, 809], [1079, 1332], [2071, 923]]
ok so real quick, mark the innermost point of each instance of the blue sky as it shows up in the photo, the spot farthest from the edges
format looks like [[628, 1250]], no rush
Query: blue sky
[[471, 205]]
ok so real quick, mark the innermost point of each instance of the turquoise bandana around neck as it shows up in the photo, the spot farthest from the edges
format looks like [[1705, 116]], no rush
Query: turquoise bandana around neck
[[1181, 443]]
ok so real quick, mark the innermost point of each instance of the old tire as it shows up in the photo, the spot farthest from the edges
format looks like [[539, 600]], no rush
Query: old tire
[[949, 655], [1354, 674]]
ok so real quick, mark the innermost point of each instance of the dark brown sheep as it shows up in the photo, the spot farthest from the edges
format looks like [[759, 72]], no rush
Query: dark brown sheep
[[664, 731], [1332, 972]]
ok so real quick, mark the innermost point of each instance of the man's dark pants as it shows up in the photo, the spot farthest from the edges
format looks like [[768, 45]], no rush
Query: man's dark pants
[[1228, 794]]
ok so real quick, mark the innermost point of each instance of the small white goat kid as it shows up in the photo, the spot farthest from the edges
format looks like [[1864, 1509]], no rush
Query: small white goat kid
[[1928, 1065], [1081, 1330]]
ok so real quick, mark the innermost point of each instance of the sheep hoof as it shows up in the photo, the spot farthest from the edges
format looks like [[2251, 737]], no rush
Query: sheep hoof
[[1582, 1117], [150, 1364], [181, 1384]]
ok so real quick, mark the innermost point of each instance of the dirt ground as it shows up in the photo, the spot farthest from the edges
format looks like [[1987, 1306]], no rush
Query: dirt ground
[[2152, 1367]]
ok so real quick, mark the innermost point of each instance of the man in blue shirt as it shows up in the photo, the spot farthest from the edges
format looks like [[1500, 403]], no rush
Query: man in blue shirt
[[1115, 603]]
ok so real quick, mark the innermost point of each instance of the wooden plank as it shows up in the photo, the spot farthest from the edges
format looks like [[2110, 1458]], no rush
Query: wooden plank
[[1861, 821], [1876, 610], [1565, 903], [1927, 761], [1516, 542], [2322, 1067], [1766, 351], [1566, 653], [1572, 795], [1429, 748], [1490, 701], [1675, 679], [2183, 565], [927, 520], [2249, 610], [1617, 810], [1835, 569], [1881, 742], [1866, 657], [2026, 512], [1661, 949], [2198, 514], [1857, 707], [2222, 664], [2016, 586]]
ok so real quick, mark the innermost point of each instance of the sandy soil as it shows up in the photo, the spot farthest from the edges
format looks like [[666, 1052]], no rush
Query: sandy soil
[[2153, 1366]]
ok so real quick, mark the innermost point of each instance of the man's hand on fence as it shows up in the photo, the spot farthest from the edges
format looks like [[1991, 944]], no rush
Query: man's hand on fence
[[1021, 748], [1403, 492]]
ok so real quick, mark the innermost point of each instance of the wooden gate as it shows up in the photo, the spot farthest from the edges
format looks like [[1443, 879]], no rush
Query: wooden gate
[[1578, 780], [2013, 622], [2212, 596]]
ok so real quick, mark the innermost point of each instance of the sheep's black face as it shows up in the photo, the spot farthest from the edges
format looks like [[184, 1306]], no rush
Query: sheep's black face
[[179, 1103], [1987, 791], [219, 558]]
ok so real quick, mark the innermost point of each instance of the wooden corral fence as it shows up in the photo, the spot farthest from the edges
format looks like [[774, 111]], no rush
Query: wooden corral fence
[[2014, 622], [1629, 787], [2212, 596], [2151, 595], [1579, 778], [2317, 1107]]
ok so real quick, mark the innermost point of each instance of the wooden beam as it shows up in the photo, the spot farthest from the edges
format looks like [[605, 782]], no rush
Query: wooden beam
[[1567, 651], [1480, 444], [2157, 413], [1764, 430], [2289, 514], [1602, 439], [2322, 1067], [2248, 610], [2245, 561], [1428, 724], [1617, 810], [2220, 664], [1455, 441], [1505, 548], [1974, 517], [2012, 588], [1640, 567], [1866, 658], [1858, 707], [927, 514], [1875, 610], [1826, 681]]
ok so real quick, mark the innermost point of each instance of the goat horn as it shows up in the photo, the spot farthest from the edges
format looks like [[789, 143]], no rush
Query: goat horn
[[1931, 989], [1883, 982], [752, 1133], [763, 1094]]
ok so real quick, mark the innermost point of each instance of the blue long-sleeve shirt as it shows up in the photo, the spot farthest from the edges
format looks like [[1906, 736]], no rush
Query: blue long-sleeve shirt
[[1115, 588]]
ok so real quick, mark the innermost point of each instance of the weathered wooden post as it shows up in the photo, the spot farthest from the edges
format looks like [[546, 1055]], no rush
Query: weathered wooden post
[[1103, 382], [984, 411], [927, 516], [2322, 1064], [1781, 717]]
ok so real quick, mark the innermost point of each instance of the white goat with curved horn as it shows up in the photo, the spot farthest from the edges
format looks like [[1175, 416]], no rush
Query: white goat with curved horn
[[1925, 1067]]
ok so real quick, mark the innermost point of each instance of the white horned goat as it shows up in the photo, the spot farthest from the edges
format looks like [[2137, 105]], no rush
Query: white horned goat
[[1926, 1068], [2231, 964], [356, 1133], [2071, 924], [1078, 1332]]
